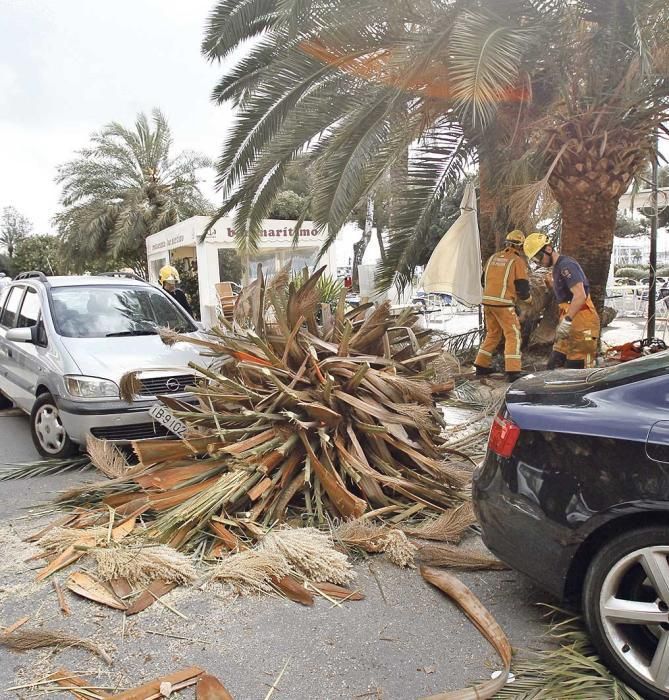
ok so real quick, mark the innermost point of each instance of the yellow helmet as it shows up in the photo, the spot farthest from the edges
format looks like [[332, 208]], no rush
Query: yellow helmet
[[168, 274], [516, 237], [534, 243]]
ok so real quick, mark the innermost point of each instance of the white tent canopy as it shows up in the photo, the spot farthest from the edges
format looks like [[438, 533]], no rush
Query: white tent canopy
[[455, 265]]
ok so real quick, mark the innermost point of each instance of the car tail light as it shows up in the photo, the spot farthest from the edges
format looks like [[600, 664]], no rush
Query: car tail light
[[503, 436]]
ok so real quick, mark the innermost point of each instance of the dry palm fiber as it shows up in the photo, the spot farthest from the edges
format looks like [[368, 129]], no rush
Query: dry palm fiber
[[25, 639], [456, 557], [251, 572], [572, 671], [143, 564], [448, 527], [106, 457], [310, 553], [296, 418], [444, 368], [59, 539], [375, 539]]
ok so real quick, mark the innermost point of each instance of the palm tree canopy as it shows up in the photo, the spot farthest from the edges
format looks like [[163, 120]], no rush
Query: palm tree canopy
[[125, 186], [359, 86]]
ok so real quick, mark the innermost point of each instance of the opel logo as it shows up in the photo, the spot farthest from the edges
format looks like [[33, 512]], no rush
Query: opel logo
[[172, 384]]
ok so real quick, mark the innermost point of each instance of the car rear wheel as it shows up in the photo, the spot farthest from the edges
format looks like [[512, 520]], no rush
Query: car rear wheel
[[626, 607], [48, 432], [4, 402]]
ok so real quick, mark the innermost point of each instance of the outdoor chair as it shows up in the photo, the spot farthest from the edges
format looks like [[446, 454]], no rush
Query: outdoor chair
[[226, 299]]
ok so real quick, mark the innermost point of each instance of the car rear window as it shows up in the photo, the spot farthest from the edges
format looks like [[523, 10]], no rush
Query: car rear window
[[635, 369]]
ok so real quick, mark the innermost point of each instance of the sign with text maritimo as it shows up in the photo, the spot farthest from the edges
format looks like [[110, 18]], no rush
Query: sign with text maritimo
[[275, 233], [279, 232]]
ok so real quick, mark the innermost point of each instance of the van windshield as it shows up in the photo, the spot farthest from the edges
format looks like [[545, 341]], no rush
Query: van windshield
[[652, 364], [106, 312]]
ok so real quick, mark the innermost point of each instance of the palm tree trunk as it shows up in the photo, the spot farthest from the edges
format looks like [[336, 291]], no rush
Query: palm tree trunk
[[360, 247], [488, 214], [588, 225]]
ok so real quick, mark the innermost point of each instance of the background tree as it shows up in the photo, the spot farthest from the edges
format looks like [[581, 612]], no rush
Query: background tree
[[287, 205], [229, 266], [14, 227], [630, 228], [6, 265], [125, 186], [42, 252]]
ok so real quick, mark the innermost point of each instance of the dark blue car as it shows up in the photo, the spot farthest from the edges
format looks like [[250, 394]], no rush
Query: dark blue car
[[574, 492]]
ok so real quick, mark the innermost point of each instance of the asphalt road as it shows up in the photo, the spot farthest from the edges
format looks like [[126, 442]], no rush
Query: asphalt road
[[405, 640]]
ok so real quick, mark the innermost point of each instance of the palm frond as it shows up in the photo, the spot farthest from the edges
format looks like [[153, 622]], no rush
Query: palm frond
[[43, 468]]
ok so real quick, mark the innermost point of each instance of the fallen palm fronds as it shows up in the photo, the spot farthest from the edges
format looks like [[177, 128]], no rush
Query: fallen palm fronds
[[572, 671], [456, 557], [27, 639], [377, 538], [311, 412], [307, 414], [486, 625], [141, 564], [448, 527]]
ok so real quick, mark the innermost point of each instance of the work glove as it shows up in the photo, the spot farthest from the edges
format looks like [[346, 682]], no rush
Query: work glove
[[564, 329]]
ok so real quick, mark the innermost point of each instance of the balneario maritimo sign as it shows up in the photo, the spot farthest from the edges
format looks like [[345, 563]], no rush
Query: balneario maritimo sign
[[279, 232]]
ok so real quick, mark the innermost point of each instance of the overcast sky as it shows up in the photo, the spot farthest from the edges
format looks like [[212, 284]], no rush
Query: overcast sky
[[67, 67]]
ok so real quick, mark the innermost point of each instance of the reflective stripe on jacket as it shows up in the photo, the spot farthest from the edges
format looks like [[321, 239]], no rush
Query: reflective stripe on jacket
[[502, 271]]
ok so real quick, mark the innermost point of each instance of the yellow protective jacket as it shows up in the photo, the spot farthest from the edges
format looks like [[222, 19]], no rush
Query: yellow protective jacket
[[505, 279]]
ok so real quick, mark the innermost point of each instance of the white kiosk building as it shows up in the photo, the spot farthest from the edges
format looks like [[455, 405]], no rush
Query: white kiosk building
[[275, 249]]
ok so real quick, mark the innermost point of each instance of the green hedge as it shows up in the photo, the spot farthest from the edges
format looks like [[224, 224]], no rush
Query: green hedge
[[631, 272]]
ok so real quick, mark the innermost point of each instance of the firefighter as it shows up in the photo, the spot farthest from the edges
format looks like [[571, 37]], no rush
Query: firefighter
[[505, 282], [169, 278], [577, 334]]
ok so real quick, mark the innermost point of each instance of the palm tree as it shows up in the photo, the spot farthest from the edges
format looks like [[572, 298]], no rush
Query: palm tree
[[451, 82], [125, 186], [358, 87], [599, 132], [14, 227]]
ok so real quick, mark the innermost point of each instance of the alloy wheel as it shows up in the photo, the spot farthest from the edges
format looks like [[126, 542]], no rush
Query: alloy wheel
[[49, 429], [634, 610]]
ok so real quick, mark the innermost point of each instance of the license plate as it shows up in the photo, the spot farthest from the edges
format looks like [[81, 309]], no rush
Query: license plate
[[165, 417]]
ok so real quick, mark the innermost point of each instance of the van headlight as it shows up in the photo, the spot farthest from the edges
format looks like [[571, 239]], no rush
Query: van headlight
[[91, 387]]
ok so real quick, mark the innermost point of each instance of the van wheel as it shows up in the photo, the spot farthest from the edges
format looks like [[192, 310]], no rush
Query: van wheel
[[47, 430], [5, 402]]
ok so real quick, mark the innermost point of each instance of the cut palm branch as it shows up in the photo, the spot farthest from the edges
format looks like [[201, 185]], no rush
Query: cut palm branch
[[456, 557], [448, 527], [377, 538], [43, 468], [486, 625], [26, 639], [571, 671]]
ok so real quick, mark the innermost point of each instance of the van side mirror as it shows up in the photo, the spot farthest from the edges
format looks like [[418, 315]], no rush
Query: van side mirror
[[20, 335]]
